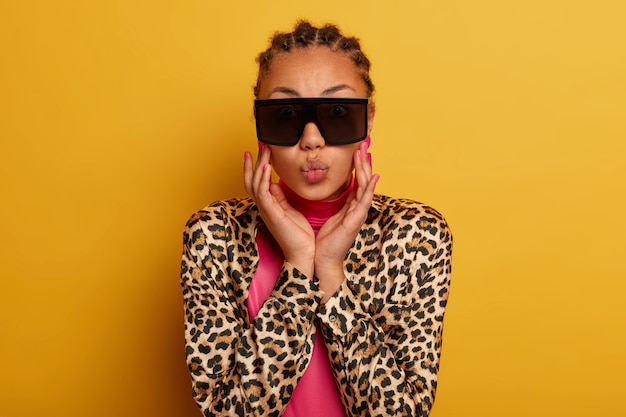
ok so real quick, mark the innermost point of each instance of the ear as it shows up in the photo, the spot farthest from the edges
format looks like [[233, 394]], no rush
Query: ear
[[371, 112]]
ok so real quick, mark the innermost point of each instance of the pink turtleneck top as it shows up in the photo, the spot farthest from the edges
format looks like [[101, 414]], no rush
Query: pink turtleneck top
[[316, 393]]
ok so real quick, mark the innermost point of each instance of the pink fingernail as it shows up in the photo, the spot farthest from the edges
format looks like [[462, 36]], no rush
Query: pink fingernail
[[245, 156]]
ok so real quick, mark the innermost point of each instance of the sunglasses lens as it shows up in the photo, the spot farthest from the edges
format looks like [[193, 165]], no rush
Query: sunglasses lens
[[282, 121], [279, 124], [342, 123]]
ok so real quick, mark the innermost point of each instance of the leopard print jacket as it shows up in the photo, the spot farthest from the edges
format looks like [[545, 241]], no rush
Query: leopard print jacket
[[382, 328]]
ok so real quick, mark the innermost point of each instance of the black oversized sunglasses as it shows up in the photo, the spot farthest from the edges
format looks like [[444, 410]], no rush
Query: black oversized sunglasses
[[341, 121]]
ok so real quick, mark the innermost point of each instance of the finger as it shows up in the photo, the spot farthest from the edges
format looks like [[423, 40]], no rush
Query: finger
[[258, 182], [362, 169], [265, 179], [371, 187], [363, 199], [259, 153], [364, 161], [368, 194], [264, 154], [264, 198], [278, 195], [247, 173]]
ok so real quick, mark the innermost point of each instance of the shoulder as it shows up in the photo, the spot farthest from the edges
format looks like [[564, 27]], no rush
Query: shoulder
[[222, 212], [405, 214]]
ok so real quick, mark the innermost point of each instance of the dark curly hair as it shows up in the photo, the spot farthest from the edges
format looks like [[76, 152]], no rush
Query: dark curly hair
[[305, 35]]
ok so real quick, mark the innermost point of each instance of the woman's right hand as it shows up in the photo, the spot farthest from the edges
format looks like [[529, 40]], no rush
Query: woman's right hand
[[288, 226]]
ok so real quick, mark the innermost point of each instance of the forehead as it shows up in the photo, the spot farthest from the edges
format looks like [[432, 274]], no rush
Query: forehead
[[311, 72]]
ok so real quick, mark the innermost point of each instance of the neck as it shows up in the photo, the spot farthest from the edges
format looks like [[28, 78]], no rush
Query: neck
[[316, 211]]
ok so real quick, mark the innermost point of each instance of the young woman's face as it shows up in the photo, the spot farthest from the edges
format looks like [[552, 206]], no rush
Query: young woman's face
[[311, 168]]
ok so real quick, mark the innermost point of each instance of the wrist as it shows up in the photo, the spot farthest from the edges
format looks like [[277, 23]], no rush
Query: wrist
[[328, 269], [330, 277], [304, 265]]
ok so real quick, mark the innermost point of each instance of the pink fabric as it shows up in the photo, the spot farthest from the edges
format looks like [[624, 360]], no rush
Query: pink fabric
[[316, 393]]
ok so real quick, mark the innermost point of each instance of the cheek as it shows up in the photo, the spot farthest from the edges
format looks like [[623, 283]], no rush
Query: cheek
[[346, 159], [280, 160], [349, 155]]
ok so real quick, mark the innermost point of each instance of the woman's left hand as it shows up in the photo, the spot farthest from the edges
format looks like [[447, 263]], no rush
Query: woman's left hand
[[337, 235]]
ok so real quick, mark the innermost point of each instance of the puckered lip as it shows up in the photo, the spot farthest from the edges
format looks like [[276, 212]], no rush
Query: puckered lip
[[314, 166]]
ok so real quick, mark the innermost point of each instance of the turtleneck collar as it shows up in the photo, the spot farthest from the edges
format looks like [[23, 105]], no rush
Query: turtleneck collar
[[316, 211]]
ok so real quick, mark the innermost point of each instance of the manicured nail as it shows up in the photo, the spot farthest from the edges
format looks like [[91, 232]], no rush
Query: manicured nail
[[245, 156]]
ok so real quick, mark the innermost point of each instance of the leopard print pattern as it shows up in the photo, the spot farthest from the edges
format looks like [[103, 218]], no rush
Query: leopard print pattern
[[382, 328]]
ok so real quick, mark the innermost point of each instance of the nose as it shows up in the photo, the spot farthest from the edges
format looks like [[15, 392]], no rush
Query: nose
[[311, 137]]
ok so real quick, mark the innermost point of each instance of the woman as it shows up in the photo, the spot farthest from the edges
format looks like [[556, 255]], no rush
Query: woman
[[314, 296]]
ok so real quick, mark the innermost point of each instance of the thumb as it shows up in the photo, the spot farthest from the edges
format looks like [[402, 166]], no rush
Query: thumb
[[277, 192]]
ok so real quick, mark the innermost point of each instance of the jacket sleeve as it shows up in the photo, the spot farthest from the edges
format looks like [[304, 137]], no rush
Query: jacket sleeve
[[240, 367], [386, 355]]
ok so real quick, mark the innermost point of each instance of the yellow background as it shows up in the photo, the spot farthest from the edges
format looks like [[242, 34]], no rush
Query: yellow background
[[118, 119]]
